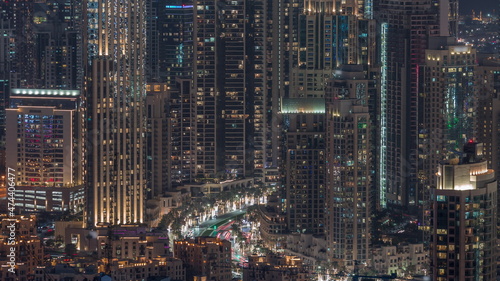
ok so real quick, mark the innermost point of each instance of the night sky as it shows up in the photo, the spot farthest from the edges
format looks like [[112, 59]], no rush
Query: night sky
[[478, 5]]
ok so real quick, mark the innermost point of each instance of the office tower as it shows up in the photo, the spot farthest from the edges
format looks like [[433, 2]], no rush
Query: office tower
[[404, 29], [487, 77], [45, 148], [448, 103], [464, 219], [350, 143], [205, 258], [175, 28], [159, 139], [115, 99]]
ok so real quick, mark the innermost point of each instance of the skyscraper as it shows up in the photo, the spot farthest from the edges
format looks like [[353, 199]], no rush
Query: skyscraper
[[208, 158], [115, 98], [487, 77], [175, 31], [159, 139], [58, 44], [448, 103], [232, 53], [404, 29], [350, 181], [464, 219], [330, 34]]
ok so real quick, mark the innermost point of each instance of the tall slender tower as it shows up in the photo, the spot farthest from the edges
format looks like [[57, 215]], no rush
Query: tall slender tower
[[204, 85], [115, 93], [448, 103], [405, 28], [350, 166], [488, 115]]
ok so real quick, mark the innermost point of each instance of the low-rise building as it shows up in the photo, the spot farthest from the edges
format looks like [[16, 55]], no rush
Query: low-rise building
[[131, 242], [403, 259], [21, 250], [312, 249], [205, 256], [142, 269], [274, 268]]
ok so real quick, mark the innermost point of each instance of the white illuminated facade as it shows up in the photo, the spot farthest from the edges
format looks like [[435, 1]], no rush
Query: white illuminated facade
[[115, 97]]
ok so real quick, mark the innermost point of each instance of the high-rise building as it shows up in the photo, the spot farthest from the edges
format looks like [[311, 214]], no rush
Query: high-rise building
[[219, 82], [447, 103], [152, 57], [487, 77], [350, 143], [331, 34], [404, 29], [159, 136], [330, 38], [17, 17], [183, 153], [115, 98], [58, 44], [464, 219], [232, 53], [448, 17], [45, 147], [304, 165], [269, 44], [175, 30], [7, 49], [207, 120]]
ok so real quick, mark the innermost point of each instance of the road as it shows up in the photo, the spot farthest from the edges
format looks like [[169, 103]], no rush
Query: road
[[206, 228]]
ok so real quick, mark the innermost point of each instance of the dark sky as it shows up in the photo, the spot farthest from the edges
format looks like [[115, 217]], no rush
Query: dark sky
[[478, 5]]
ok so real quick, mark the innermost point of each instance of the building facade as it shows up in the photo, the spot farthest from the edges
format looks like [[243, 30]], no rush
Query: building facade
[[45, 148], [487, 77], [350, 135], [448, 103], [205, 257], [115, 96], [464, 216], [404, 30]]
